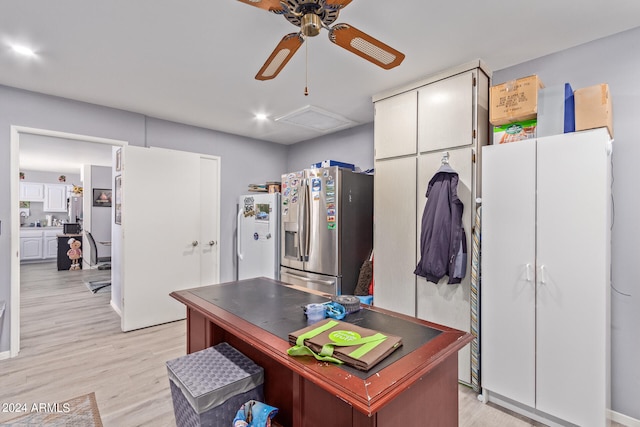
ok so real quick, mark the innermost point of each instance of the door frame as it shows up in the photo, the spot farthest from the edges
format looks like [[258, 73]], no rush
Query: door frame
[[14, 182]]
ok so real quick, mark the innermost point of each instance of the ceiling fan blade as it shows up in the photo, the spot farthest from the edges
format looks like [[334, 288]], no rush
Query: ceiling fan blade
[[336, 4], [280, 56], [365, 46], [270, 5]]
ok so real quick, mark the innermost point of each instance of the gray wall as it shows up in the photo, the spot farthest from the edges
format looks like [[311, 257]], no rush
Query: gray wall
[[100, 226], [613, 60], [353, 146]]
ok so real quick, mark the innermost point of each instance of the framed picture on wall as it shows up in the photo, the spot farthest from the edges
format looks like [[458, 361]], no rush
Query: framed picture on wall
[[119, 159], [102, 197], [118, 199]]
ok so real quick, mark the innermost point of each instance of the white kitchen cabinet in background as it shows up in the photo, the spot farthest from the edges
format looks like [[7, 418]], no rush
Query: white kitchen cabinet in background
[[55, 198], [31, 192], [38, 244], [545, 318], [50, 243], [31, 246]]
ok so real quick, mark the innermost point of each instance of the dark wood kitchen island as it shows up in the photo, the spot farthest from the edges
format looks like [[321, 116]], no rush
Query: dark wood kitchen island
[[416, 385]]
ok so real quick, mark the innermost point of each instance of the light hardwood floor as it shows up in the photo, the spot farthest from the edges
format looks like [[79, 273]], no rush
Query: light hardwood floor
[[72, 345]]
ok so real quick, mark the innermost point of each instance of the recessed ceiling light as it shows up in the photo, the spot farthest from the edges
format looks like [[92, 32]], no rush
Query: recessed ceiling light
[[261, 116], [23, 50]]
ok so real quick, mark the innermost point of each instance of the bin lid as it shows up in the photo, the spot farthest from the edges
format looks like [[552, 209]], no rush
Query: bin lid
[[209, 377]]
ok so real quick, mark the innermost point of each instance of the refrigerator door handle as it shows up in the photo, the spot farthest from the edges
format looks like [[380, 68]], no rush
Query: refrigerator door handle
[[306, 279], [307, 219], [239, 233], [303, 229]]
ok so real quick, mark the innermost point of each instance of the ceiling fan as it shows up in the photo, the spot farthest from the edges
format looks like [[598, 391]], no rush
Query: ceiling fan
[[311, 16]]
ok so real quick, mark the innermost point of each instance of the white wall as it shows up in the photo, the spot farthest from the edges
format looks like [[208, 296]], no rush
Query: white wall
[[613, 60]]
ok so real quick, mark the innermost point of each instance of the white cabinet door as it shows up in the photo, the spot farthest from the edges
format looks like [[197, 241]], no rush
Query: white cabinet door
[[395, 125], [442, 303], [573, 276], [30, 248], [445, 113], [31, 192], [507, 299], [50, 248], [55, 198], [394, 206]]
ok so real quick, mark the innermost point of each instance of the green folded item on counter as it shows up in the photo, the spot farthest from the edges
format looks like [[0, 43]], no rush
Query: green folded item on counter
[[341, 342]]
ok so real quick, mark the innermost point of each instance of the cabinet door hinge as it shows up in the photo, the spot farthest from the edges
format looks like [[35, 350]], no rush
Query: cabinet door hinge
[[474, 81], [474, 134], [473, 157]]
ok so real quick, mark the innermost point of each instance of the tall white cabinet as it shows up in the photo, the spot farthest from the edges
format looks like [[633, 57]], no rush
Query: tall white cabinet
[[545, 320], [414, 127]]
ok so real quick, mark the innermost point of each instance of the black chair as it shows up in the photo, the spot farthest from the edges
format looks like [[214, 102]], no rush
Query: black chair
[[94, 260]]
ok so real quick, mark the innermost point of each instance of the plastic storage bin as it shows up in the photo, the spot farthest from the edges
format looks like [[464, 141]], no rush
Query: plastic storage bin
[[209, 386]]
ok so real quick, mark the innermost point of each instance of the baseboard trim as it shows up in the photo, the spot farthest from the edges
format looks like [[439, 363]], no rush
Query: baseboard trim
[[5, 355], [115, 308], [623, 419], [532, 413]]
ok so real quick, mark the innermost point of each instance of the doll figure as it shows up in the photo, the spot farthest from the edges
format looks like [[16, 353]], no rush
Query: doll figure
[[75, 253]]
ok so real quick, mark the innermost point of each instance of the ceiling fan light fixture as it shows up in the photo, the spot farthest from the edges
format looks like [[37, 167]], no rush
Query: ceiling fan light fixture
[[311, 25]]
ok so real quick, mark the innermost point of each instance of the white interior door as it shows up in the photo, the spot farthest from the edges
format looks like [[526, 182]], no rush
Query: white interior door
[[160, 233], [209, 221], [508, 270]]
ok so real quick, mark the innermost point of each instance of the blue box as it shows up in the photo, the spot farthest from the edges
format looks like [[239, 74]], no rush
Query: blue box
[[329, 163], [209, 386]]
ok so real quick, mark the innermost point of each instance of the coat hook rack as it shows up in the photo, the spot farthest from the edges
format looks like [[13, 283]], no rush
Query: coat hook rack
[[445, 158]]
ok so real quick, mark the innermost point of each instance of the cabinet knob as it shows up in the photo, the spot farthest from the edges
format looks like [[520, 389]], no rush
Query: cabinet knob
[[212, 242], [194, 243]]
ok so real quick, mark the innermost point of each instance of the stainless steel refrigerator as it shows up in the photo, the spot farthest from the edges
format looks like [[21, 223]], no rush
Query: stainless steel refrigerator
[[258, 236], [327, 228]]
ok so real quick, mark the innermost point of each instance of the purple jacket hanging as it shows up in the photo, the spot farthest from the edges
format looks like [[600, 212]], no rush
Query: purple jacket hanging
[[443, 242]]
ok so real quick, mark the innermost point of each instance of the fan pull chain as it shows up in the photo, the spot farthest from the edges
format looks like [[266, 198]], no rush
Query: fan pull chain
[[306, 68]]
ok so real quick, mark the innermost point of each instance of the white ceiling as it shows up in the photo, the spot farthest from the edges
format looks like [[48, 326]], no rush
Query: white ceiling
[[194, 61], [51, 154]]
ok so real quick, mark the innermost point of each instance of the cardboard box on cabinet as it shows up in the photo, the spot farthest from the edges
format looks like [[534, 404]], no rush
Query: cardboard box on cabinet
[[514, 101], [513, 132], [593, 108]]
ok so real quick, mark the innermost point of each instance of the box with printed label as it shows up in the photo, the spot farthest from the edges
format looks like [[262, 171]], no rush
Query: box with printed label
[[513, 132], [514, 101]]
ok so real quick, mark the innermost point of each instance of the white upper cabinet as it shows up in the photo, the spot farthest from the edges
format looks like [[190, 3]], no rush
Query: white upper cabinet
[[445, 118], [31, 192], [395, 134], [55, 198]]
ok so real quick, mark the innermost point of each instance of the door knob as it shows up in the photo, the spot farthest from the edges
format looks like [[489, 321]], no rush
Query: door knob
[[212, 242], [194, 243]]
